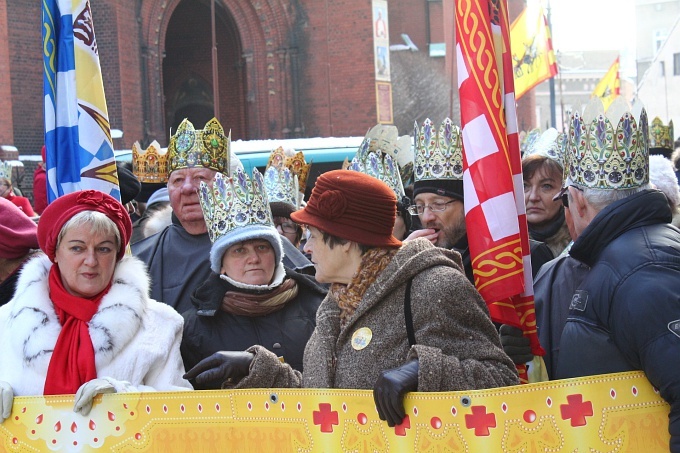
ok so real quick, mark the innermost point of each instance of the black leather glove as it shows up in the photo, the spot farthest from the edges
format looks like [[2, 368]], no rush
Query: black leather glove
[[515, 344], [389, 391], [228, 367]]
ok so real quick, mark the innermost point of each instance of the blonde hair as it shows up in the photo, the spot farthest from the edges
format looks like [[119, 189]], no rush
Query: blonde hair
[[98, 222]]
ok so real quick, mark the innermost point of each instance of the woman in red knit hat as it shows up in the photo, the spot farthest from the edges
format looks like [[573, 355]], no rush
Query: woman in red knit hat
[[398, 318], [81, 321]]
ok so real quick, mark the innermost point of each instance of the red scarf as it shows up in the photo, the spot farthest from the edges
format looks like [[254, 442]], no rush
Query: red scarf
[[72, 363]]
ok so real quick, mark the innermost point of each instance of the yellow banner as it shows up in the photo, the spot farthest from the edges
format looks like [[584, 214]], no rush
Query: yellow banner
[[616, 412], [533, 59], [608, 88]]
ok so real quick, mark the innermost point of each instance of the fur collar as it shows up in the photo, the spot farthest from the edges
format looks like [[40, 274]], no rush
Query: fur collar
[[36, 326]]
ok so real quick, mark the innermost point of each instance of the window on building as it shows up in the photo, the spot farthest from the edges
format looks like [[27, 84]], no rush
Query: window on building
[[658, 40], [662, 68], [676, 64]]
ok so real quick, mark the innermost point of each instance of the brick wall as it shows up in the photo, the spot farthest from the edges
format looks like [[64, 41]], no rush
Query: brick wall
[[6, 119]]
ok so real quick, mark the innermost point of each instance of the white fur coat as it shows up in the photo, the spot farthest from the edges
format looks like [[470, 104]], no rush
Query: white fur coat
[[136, 340]]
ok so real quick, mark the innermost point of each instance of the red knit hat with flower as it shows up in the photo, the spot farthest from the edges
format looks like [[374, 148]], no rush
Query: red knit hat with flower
[[63, 208], [354, 206], [17, 231]]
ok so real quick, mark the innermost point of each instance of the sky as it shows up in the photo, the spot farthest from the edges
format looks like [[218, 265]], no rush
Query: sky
[[594, 25]]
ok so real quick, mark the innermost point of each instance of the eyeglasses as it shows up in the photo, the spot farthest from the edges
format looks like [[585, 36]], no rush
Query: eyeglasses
[[285, 225], [563, 195], [437, 206]]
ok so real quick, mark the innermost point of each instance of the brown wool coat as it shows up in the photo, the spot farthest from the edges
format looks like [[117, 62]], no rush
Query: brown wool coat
[[457, 345]]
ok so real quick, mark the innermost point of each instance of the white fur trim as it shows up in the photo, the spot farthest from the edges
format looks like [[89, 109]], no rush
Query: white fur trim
[[279, 276]]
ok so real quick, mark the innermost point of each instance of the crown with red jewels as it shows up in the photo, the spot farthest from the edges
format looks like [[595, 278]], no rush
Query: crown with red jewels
[[295, 162], [234, 202], [150, 165], [605, 155], [661, 136], [438, 151], [202, 148], [280, 182]]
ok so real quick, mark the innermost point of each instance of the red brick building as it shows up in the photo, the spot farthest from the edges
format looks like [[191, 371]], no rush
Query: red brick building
[[296, 68]]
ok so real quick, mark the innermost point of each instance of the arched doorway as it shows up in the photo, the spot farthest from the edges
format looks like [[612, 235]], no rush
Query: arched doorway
[[187, 68]]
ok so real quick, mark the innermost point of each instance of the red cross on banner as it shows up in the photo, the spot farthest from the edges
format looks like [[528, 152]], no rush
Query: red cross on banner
[[400, 430], [480, 420], [576, 410], [325, 417], [494, 202]]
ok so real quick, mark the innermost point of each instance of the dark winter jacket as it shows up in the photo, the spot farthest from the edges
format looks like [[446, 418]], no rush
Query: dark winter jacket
[[626, 313], [285, 332]]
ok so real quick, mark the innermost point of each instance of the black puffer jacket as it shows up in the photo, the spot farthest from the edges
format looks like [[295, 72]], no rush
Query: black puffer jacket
[[625, 315], [285, 332]]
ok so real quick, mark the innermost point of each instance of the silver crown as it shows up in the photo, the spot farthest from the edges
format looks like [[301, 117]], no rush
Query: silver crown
[[602, 156], [234, 202], [374, 162], [550, 144], [281, 185], [5, 170], [438, 152]]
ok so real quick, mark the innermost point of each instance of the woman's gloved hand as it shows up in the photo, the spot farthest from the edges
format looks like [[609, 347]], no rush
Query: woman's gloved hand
[[515, 344], [6, 400], [390, 388], [229, 367], [86, 393]]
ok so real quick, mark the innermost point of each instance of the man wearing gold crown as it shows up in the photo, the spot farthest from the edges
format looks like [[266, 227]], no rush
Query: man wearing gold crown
[[625, 314], [438, 193], [177, 257]]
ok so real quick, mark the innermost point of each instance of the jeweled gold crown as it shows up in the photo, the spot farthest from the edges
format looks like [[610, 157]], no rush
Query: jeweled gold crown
[[207, 147], [150, 165], [549, 144], [602, 156], [371, 160], [5, 170], [438, 152], [280, 182], [234, 202], [661, 136], [295, 162]]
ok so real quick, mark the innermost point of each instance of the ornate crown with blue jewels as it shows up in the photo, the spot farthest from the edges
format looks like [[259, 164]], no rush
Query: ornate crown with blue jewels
[[234, 202], [207, 147], [438, 152], [372, 161], [280, 182], [605, 155], [5, 170], [550, 144]]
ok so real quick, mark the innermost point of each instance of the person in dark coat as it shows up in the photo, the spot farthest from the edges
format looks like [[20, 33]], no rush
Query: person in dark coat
[[362, 338], [250, 297], [625, 315]]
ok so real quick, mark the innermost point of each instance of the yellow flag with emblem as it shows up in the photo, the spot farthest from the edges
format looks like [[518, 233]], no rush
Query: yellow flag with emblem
[[609, 88]]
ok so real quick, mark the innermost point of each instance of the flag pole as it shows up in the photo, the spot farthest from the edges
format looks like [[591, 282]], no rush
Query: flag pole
[[551, 83], [216, 87]]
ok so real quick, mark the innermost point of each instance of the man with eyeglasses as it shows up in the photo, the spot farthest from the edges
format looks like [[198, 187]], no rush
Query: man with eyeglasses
[[441, 210]]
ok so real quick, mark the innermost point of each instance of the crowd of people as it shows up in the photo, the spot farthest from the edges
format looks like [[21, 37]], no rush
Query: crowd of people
[[236, 281]]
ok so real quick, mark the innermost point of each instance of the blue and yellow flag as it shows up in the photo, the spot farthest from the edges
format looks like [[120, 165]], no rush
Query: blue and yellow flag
[[533, 59], [79, 150], [609, 87]]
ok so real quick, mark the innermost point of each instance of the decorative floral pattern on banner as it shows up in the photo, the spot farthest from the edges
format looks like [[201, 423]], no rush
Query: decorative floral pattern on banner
[[612, 413]]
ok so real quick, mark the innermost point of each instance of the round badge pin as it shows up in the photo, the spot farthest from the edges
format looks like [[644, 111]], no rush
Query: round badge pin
[[361, 338]]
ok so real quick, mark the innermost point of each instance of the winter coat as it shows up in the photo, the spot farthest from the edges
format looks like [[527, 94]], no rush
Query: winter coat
[[457, 346], [135, 339], [208, 329], [625, 315]]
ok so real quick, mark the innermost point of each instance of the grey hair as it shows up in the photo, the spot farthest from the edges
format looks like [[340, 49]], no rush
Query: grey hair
[[599, 199], [98, 222]]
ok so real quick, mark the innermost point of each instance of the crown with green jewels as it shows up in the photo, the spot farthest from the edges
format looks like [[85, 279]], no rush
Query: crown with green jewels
[[605, 155], [438, 152], [234, 202], [661, 136], [202, 148], [281, 183], [374, 162], [6, 170]]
